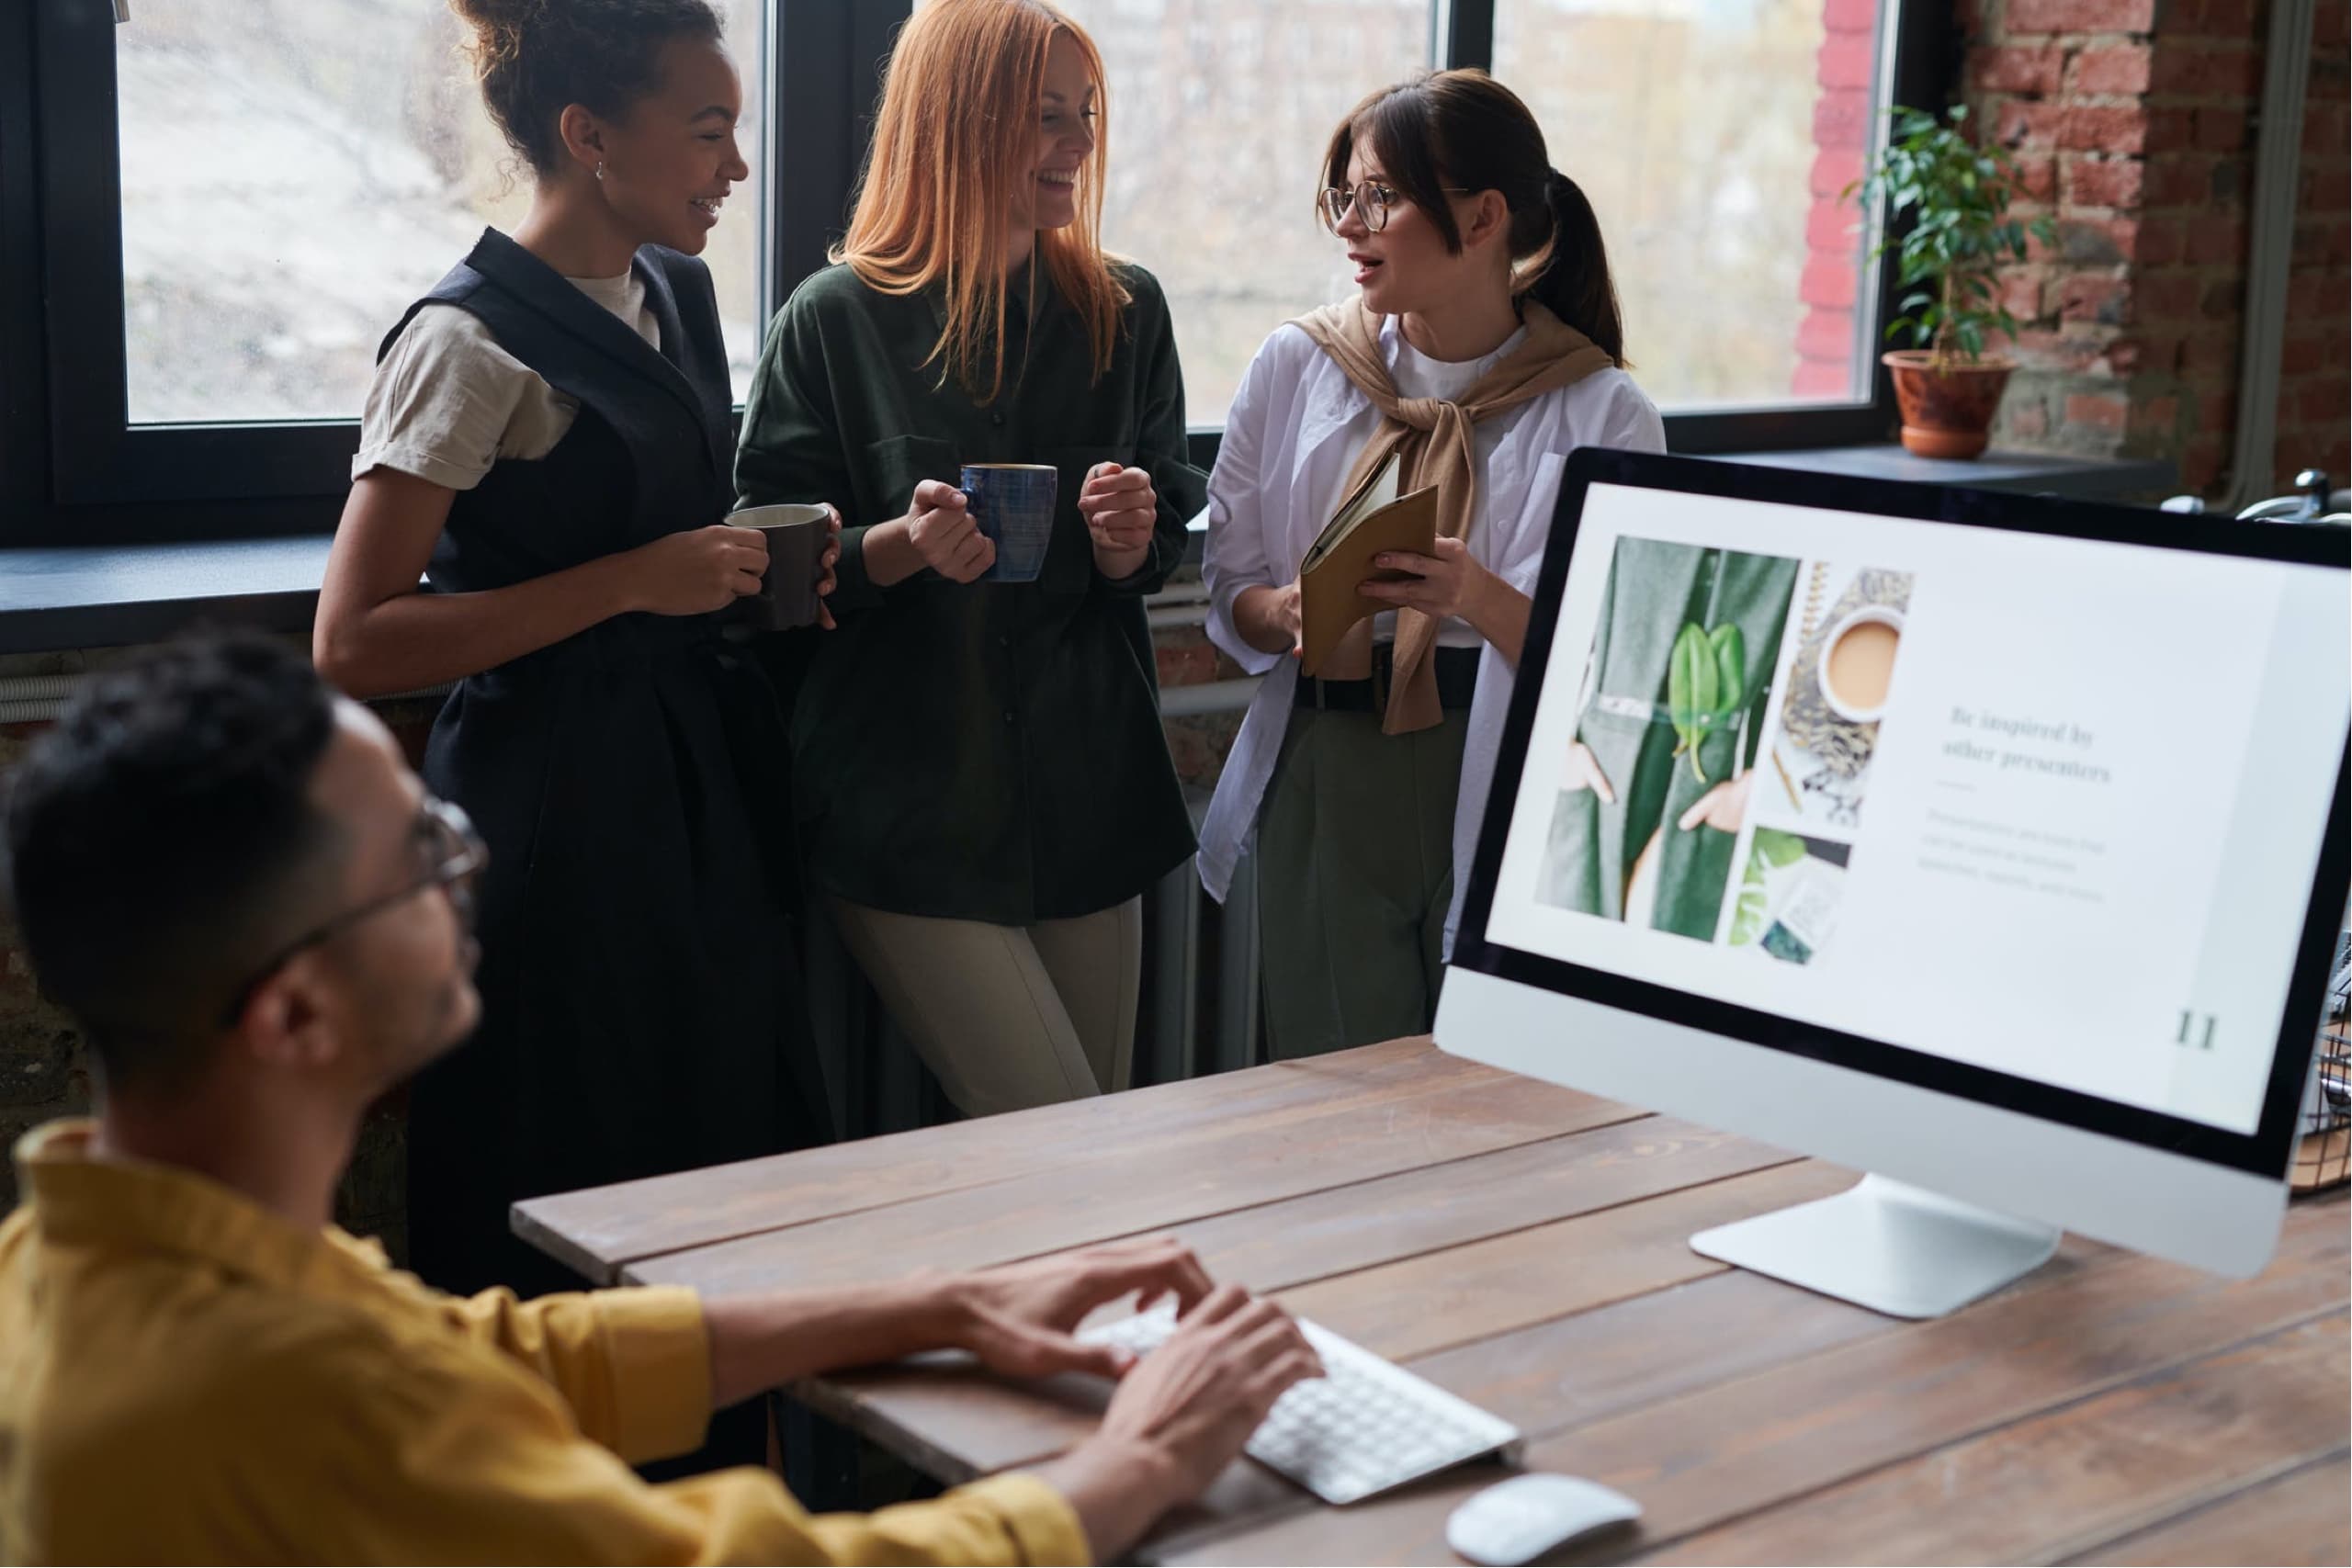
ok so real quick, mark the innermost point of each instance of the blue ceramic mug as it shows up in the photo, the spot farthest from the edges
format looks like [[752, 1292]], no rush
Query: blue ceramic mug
[[1013, 505]]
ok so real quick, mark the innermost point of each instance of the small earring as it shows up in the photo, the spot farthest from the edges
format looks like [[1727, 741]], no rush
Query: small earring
[[600, 168]]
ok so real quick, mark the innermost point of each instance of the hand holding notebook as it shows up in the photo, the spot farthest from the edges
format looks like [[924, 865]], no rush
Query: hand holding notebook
[[1372, 520]]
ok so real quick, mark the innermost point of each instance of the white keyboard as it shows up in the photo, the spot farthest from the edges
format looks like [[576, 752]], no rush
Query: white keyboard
[[1367, 1426]]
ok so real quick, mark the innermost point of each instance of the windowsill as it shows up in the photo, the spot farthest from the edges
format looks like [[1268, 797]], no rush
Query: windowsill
[[112, 596], [2082, 479]]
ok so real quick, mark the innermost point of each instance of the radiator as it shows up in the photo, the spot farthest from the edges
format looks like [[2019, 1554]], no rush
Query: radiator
[[1200, 982]]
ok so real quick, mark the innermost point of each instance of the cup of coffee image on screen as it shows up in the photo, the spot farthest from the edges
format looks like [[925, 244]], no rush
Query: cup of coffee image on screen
[[1848, 623], [1676, 693]]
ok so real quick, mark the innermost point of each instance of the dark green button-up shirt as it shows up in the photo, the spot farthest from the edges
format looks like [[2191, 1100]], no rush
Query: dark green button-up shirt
[[988, 751]]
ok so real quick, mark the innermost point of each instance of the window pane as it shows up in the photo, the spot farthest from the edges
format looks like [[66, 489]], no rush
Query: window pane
[[1712, 137], [1220, 110], [296, 172], [1220, 113]]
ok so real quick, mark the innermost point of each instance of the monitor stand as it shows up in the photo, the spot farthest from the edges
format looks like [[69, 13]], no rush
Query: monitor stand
[[1896, 1249]]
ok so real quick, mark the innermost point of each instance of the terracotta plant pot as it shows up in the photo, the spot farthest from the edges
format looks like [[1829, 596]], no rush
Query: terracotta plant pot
[[1947, 413]]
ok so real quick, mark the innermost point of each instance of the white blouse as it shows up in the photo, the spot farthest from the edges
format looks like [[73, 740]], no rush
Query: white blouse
[[1294, 431]]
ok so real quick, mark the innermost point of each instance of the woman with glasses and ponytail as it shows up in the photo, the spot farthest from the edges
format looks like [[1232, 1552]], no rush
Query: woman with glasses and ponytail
[[1484, 347]]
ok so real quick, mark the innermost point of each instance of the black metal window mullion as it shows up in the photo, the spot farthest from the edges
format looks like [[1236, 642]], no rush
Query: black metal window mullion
[[95, 453], [824, 78], [1464, 33]]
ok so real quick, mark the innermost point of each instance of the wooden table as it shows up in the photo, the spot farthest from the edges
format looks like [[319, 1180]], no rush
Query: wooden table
[[1525, 1246]]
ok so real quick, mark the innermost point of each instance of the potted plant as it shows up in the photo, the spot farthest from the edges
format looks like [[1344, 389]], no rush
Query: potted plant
[[1956, 194]]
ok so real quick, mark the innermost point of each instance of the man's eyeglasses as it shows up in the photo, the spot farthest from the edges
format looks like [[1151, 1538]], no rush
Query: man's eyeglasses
[[447, 853], [1371, 199]]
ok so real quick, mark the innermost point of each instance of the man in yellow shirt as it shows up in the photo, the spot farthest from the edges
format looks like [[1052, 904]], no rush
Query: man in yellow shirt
[[233, 881]]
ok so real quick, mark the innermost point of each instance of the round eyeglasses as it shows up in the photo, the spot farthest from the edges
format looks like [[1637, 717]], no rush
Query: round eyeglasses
[[447, 852], [1371, 199]]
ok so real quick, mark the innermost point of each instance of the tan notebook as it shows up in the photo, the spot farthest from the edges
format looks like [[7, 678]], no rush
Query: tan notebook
[[1374, 519]]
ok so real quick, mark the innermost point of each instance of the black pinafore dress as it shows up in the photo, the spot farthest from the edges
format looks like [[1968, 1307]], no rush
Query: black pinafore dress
[[641, 1009]]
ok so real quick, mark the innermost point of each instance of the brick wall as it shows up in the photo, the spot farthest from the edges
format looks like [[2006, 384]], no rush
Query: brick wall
[[2135, 120], [1843, 124]]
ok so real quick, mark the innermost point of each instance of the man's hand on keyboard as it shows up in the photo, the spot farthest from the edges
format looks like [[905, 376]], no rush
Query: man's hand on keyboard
[[1200, 1395], [1180, 1416], [1018, 1318]]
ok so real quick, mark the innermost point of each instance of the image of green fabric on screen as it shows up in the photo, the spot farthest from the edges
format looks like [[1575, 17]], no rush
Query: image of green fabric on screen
[[1655, 741]]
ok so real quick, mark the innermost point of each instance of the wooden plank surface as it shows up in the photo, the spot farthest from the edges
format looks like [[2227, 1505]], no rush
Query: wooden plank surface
[[961, 1423], [2029, 1490], [1155, 1185], [1705, 1458], [2298, 1518], [1441, 1299], [1433, 1209], [1528, 1248], [601, 1230], [1621, 1357]]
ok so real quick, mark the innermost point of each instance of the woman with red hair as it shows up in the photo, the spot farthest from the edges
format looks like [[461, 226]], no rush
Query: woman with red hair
[[982, 788]]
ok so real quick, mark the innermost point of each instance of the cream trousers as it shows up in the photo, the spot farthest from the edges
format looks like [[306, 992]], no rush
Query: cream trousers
[[1008, 1016]]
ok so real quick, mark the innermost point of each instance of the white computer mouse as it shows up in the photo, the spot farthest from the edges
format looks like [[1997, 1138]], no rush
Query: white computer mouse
[[1520, 1519]]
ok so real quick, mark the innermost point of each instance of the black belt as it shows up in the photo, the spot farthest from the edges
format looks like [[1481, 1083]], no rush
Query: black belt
[[1457, 681]]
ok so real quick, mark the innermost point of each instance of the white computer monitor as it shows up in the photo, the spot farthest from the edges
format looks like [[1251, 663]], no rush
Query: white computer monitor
[[1995, 846]]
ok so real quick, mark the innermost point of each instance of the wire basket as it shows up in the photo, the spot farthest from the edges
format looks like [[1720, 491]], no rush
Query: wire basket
[[2324, 1149]]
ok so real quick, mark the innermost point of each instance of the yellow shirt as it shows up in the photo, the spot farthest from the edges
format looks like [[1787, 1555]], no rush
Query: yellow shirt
[[186, 1377]]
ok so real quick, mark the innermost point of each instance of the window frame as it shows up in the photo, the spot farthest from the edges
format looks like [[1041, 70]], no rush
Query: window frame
[[1917, 63], [73, 470]]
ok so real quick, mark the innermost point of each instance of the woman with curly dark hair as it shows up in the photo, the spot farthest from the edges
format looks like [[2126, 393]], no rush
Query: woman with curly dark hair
[[546, 443]]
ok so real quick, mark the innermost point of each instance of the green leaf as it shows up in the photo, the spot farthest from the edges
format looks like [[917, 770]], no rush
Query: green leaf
[[1690, 680], [1770, 850], [1946, 203], [1730, 650], [1747, 916], [1691, 690]]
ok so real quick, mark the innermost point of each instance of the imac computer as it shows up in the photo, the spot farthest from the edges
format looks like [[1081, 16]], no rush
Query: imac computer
[[1993, 846]]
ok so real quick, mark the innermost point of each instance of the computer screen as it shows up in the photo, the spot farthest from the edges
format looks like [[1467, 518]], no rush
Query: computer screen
[[1978, 806]]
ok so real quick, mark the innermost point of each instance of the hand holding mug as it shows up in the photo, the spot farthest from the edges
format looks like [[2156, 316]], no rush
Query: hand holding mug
[[940, 527], [827, 579], [697, 570]]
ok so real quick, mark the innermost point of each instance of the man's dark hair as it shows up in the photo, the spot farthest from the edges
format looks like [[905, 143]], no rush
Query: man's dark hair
[[161, 844]]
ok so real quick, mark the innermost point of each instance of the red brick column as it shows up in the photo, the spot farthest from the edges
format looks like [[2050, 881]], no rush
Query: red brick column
[[1841, 135]]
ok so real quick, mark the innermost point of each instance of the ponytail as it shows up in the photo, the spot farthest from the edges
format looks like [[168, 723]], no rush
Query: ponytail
[[1575, 284]]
